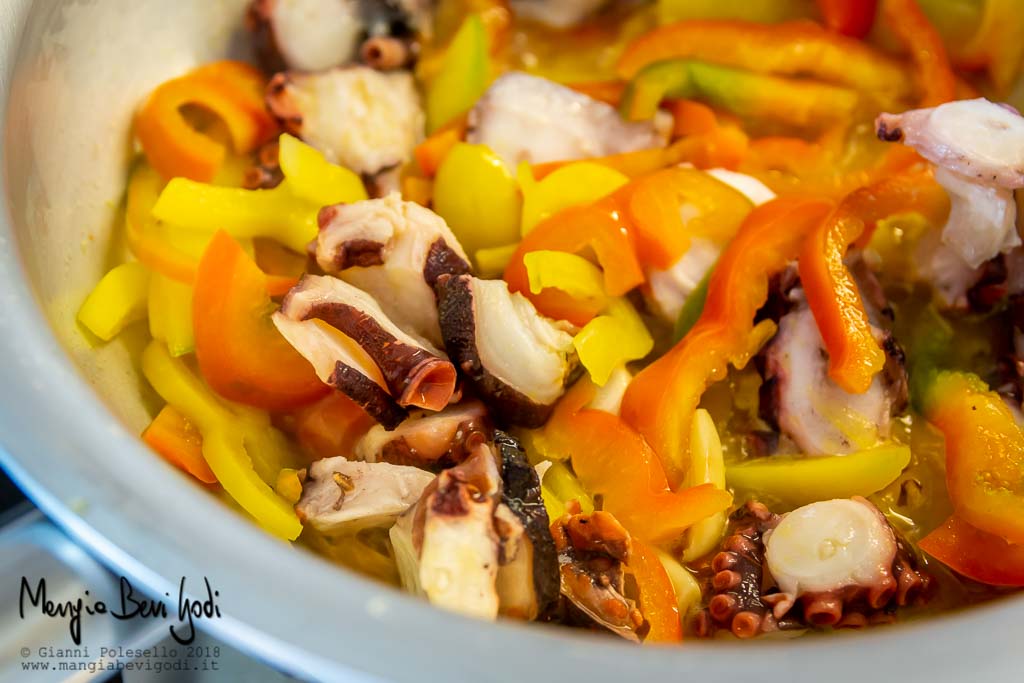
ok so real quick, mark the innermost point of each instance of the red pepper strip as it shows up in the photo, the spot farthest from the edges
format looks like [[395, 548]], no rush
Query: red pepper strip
[[849, 17], [609, 92], [661, 399], [797, 48], [984, 453], [175, 438], [657, 596], [599, 226], [854, 355], [231, 90], [935, 78], [241, 354], [614, 461], [977, 555]]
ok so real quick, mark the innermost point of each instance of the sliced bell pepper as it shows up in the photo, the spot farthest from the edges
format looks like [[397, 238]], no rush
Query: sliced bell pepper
[[615, 462], [798, 49], [854, 355], [568, 273], [175, 438], [750, 95], [935, 78], [849, 17], [798, 480], [657, 596], [231, 90], [766, 11], [609, 92], [978, 555], [331, 426], [241, 354], [312, 178], [661, 400], [492, 261], [170, 314], [464, 74], [576, 183], [997, 45], [477, 197], [224, 441], [707, 466], [691, 118], [431, 152], [599, 226], [685, 585], [984, 453], [119, 299]]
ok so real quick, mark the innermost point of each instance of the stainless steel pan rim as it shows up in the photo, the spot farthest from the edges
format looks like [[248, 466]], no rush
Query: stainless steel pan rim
[[94, 478]]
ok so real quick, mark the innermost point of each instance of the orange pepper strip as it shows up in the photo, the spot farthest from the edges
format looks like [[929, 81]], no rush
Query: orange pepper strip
[[231, 90], [976, 554], [175, 438], [613, 460], [854, 355], [935, 77], [691, 117], [657, 596], [431, 152], [331, 426], [241, 354], [796, 48], [609, 92], [661, 400], [600, 226]]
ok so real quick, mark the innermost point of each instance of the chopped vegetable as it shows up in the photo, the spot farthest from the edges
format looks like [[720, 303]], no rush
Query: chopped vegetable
[[935, 78], [767, 11], [240, 353], [431, 152], [848, 17], [118, 299], [170, 314], [978, 555], [706, 467], [175, 438], [574, 184], [657, 594], [313, 178], [997, 44], [464, 74]]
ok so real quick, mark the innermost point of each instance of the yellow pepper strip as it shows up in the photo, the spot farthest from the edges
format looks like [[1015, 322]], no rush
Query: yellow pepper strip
[[315, 179], [464, 74], [492, 261], [224, 440], [574, 275], [687, 589], [288, 485], [798, 480], [609, 340], [477, 197], [170, 314], [706, 467], [117, 300], [564, 487], [276, 213], [571, 185]]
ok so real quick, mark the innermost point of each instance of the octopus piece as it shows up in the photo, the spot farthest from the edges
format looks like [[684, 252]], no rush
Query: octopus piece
[[428, 440], [556, 13], [517, 360], [592, 549], [412, 370], [366, 120], [315, 35], [395, 250], [265, 172], [528, 580], [448, 545], [738, 578], [528, 118], [840, 558], [978, 149], [799, 397], [341, 497]]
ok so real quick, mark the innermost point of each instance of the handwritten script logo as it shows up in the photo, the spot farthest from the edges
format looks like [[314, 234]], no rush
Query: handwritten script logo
[[130, 605]]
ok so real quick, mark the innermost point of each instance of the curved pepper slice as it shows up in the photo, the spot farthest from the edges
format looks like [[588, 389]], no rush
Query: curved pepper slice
[[661, 400], [796, 48], [752, 95], [984, 453], [997, 45], [849, 17], [575, 183], [463, 76], [977, 555], [224, 441], [614, 461], [854, 355], [798, 480], [175, 438], [313, 178], [231, 90], [170, 314], [116, 301], [935, 77], [657, 596], [241, 354]]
